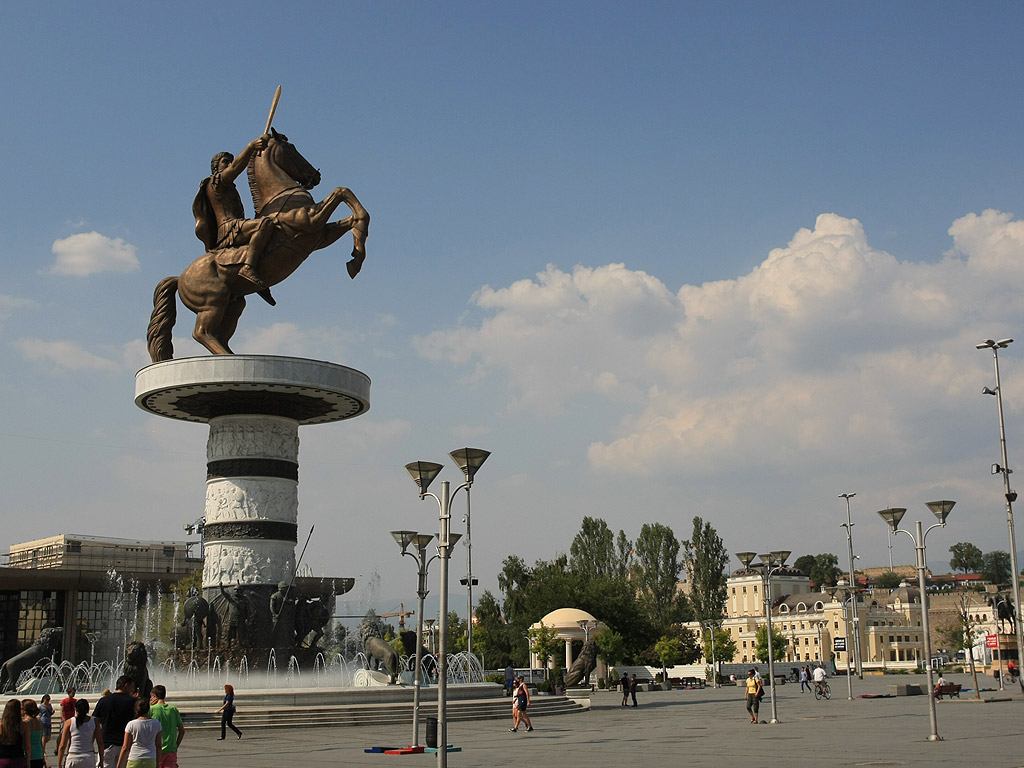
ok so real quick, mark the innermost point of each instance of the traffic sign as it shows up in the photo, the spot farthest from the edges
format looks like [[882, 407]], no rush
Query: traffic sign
[[838, 644]]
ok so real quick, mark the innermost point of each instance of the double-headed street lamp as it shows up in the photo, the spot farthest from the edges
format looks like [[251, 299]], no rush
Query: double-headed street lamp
[[423, 473], [771, 563], [892, 516], [848, 525], [419, 542], [1008, 493], [469, 461]]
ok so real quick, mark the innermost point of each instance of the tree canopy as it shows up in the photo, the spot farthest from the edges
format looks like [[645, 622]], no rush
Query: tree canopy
[[822, 569], [706, 559], [996, 567], [966, 557]]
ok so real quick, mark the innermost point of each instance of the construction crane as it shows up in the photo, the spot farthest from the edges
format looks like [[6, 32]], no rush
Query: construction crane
[[401, 613]]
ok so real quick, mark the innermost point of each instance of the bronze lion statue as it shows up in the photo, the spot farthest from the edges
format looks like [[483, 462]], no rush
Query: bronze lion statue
[[136, 666], [47, 644]]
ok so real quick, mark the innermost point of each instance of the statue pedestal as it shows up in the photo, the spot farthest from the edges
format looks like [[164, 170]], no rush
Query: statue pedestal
[[254, 406]]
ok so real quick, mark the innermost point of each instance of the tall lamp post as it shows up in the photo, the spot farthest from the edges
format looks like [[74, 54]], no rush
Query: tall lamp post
[[771, 563], [848, 525], [423, 473], [469, 461], [892, 516], [1008, 493], [587, 626], [419, 542], [843, 589]]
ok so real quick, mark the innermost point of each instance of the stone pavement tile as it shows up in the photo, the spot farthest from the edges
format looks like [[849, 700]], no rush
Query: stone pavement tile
[[692, 728]]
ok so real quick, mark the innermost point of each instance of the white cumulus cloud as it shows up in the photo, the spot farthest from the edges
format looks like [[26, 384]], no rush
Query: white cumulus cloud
[[829, 347], [90, 252]]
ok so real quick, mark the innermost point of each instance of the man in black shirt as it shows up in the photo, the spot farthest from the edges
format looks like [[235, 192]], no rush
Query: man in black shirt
[[114, 712]]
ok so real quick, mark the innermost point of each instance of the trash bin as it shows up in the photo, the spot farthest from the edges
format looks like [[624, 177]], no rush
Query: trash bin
[[432, 732]]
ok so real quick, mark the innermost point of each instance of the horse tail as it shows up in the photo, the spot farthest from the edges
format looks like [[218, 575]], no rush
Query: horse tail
[[165, 311]]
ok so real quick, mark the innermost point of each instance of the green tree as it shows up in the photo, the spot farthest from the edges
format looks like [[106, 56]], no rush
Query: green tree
[[706, 559], [888, 580], [491, 637], [656, 573], [592, 552], [966, 557], [669, 651], [962, 635], [761, 644], [821, 569], [610, 646], [623, 556], [544, 643], [996, 568], [725, 646], [456, 633]]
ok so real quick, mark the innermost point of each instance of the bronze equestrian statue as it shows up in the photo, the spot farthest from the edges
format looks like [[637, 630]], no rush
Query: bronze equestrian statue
[[248, 256]]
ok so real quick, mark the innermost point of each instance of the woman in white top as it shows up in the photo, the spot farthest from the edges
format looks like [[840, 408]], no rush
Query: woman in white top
[[142, 740], [77, 736]]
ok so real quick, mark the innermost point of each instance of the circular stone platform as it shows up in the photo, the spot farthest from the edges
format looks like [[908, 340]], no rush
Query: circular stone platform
[[203, 388]]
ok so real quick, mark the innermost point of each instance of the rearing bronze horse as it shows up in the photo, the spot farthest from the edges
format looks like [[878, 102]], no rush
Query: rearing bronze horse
[[279, 178]]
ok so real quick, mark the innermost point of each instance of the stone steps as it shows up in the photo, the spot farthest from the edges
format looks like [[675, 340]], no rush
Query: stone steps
[[379, 714]]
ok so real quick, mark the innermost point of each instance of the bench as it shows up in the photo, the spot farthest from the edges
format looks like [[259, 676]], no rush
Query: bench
[[949, 689]]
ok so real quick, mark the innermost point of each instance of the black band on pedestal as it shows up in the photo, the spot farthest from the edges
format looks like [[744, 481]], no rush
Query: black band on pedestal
[[280, 468]]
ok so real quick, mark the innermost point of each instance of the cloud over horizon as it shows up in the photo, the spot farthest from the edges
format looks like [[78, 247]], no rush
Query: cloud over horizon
[[827, 347]]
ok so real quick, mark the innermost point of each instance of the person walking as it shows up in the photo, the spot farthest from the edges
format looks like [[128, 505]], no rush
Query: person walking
[[67, 708], [752, 691], [510, 679], [15, 744], [30, 712], [142, 740], [227, 712], [624, 683], [115, 711], [632, 688], [46, 718], [77, 735], [171, 727], [804, 680], [522, 699]]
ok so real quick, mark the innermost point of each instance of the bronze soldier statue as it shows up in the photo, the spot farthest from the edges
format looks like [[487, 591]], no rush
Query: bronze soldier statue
[[288, 226], [221, 221]]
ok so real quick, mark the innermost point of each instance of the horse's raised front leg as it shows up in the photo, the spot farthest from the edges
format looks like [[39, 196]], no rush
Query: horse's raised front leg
[[358, 223]]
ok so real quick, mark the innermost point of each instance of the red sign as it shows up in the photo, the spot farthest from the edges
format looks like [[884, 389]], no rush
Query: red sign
[[991, 641]]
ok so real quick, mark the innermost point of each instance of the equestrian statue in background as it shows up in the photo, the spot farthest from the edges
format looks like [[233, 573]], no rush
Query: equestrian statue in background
[[246, 256]]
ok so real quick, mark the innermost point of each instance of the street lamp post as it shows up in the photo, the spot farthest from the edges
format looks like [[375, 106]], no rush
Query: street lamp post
[[419, 542], [469, 460], [423, 473], [848, 525], [771, 563], [892, 516], [1008, 493], [713, 626], [844, 588], [587, 626]]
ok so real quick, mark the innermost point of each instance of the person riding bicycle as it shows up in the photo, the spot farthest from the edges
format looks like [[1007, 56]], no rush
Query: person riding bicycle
[[819, 676]]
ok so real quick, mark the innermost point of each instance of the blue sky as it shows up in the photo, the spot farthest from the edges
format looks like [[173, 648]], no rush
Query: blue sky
[[666, 260]]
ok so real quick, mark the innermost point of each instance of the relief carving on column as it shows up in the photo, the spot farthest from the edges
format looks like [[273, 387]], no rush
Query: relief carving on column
[[251, 499], [259, 563], [252, 436]]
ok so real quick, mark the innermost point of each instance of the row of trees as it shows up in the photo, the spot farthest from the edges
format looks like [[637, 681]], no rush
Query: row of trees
[[993, 566], [630, 584]]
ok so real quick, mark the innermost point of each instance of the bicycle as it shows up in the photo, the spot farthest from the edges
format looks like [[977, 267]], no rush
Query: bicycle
[[822, 689]]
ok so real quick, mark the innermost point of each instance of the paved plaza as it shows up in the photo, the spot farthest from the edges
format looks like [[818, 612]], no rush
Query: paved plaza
[[691, 728]]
